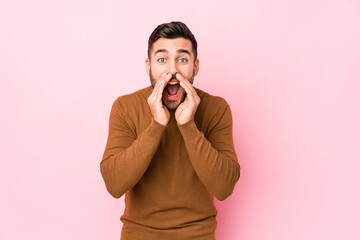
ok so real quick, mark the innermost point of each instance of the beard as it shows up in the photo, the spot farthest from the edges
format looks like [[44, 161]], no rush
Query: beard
[[172, 104]]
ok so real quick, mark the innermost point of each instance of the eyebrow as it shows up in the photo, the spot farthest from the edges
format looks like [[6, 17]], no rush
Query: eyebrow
[[183, 51], [178, 51], [161, 50]]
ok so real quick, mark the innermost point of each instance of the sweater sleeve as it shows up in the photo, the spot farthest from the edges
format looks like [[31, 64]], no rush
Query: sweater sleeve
[[213, 158], [126, 155]]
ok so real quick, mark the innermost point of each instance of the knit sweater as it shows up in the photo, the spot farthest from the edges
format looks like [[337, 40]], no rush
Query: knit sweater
[[169, 174]]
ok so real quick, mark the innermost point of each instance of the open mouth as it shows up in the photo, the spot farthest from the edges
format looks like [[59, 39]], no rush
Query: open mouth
[[172, 88]]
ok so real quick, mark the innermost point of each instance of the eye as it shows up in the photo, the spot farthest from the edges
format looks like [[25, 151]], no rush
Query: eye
[[183, 60], [161, 60]]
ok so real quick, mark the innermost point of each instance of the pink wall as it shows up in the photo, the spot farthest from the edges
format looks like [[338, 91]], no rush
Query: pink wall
[[290, 71]]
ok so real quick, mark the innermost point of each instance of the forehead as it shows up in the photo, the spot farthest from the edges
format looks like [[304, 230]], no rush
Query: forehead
[[172, 45]]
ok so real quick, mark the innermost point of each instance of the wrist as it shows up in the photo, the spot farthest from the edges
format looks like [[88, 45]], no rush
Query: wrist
[[185, 121], [161, 121]]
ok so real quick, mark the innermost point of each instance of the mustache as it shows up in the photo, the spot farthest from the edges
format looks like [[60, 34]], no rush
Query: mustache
[[173, 76]]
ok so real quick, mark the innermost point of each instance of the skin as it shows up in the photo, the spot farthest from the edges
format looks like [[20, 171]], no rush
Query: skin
[[172, 57]]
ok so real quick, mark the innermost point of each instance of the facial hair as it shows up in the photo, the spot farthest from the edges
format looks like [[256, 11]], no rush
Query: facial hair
[[153, 82]]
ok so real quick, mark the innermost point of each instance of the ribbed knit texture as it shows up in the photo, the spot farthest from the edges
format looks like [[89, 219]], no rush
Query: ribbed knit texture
[[170, 174]]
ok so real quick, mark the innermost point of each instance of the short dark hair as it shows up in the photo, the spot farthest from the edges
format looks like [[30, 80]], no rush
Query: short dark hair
[[172, 30]]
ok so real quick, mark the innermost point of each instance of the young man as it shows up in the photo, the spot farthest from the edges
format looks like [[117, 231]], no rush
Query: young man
[[170, 146]]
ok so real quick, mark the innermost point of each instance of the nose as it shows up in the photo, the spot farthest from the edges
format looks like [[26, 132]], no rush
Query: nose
[[172, 68]]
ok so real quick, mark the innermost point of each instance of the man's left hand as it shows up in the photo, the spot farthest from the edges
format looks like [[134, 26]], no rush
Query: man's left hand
[[187, 109]]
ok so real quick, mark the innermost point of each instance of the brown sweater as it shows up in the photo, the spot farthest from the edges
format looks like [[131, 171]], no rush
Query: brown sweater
[[169, 173]]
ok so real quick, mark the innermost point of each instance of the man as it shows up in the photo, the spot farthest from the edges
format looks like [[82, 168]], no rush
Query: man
[[170, 146]]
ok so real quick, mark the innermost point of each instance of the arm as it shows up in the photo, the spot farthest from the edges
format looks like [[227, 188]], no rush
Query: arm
[[214, 158], [126, 155]]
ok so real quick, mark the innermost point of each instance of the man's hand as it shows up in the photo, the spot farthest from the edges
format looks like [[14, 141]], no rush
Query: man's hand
[[158, 110], [186, 110]]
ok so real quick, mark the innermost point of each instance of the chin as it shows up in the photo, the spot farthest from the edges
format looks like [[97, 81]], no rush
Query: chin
[[173, 104]]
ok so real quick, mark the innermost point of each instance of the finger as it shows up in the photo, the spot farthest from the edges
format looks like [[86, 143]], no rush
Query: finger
[[161, 84], [158, 90], [158, 83], [180, 77], [185, 81], [189, 89], [163, 81], [167, 76]]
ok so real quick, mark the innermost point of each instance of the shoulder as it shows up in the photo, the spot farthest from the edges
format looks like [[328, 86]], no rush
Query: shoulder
[[212, 111], [211, 103], [134, 99], [137, 96], [130, 105]]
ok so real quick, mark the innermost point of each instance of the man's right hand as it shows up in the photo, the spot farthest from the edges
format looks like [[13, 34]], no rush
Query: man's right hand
[[158, 110]]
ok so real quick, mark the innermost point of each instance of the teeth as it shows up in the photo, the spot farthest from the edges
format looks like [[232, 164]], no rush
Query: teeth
[[173, 83]]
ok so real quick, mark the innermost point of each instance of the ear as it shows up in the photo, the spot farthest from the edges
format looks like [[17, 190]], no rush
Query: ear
[[147, 63], [196, 66]]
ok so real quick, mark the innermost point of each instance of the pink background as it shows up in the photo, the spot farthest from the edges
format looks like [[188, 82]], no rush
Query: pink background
[[289, 69]]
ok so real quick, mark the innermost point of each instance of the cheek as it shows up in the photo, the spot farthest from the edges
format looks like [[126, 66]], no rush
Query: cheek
[[186, 71], [157, 71]]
